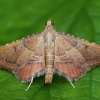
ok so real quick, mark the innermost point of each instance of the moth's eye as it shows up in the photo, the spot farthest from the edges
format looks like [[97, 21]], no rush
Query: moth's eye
[[52, 23], [45, 23]]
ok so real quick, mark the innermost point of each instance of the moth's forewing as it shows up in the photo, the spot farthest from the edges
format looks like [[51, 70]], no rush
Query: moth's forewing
[[25, 57], [74, 56]]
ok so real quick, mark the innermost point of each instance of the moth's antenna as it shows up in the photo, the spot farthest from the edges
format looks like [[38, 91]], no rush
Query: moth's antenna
[[29, 84], [71, 83]]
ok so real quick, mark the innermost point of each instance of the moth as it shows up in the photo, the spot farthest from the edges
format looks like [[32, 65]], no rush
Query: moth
[[48, 52]]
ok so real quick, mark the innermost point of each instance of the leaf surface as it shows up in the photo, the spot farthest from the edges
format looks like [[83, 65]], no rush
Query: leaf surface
[[20, 18]]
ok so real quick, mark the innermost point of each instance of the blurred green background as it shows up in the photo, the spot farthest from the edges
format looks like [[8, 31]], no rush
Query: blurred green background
[[19, 18]]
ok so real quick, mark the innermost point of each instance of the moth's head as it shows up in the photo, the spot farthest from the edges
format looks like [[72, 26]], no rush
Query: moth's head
[[49, 25]]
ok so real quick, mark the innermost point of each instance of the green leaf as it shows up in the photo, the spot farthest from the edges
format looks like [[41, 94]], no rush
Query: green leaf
[[19, 18]]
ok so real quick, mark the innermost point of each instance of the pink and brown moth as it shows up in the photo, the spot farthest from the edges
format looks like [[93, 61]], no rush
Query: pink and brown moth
[[48, 52]]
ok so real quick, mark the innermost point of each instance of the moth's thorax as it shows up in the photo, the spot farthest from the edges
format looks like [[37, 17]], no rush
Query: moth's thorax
[[49, 32], [49, 36]]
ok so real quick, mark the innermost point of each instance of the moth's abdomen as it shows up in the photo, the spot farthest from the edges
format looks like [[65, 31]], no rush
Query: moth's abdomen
[[49, 62]]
